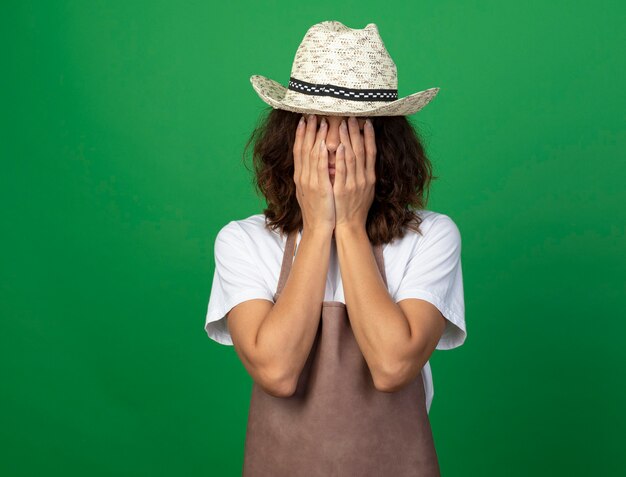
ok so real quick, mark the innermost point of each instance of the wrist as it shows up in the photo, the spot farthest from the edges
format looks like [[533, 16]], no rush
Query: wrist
[[350, 229], [321, 233]]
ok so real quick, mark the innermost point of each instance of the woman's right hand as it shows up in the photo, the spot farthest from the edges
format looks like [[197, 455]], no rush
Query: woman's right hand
[[314, 190]]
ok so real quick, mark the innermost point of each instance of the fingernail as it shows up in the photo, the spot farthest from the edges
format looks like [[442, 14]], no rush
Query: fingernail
[[343, 124], [368, 121], [323, 123], [301, 122]]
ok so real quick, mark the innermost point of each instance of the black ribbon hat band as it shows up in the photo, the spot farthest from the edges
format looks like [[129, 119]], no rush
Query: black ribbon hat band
[[354, 94]]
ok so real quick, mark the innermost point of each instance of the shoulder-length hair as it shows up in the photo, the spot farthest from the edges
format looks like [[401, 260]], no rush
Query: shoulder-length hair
[[403, 174]]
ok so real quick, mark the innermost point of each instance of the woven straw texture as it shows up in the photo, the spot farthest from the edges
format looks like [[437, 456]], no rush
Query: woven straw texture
[[332, 56]]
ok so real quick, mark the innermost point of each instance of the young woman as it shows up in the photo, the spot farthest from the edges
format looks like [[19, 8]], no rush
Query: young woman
[[336, 296]]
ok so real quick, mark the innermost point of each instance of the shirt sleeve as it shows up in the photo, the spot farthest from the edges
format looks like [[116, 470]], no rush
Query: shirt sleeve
[[236, 278], [434, 273]]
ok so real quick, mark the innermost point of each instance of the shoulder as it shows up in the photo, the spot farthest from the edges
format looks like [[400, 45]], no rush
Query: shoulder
[[441, 226], [252, 226], [251, 233], [433, 227]]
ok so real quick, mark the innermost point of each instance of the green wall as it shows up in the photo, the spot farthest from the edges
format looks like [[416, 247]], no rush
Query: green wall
[[123, 125]]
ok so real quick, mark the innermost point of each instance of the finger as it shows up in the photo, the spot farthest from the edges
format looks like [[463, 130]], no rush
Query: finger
[[370, 149], [320, 148], [322, 165], [356, 140], [309, 140], [348, 154], [322, 169], [297, 148], [340, 168]]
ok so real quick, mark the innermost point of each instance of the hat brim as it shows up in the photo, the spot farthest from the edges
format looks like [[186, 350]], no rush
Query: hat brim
[[274, 94]]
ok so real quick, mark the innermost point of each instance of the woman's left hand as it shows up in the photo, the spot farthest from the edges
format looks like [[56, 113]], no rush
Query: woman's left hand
[[355, 177]]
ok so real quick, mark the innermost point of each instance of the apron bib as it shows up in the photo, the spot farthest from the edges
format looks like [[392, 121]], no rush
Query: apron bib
[[337, 423]]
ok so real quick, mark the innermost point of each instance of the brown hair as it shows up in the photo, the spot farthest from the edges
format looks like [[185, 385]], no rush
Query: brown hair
[[403, 174]]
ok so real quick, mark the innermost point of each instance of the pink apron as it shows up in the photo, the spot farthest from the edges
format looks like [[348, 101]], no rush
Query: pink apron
[[337, 423]]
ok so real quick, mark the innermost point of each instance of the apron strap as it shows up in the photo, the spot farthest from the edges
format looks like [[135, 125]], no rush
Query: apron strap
[[290, 250], [380, 261]]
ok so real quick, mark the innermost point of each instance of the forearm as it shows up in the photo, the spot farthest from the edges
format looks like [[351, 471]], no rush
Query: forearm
[[379, 325], [288, 331]]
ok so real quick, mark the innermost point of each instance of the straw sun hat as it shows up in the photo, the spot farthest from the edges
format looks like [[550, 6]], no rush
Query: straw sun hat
[[339, 70]]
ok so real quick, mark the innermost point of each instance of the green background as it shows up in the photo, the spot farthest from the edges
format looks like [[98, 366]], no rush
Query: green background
[[123, 125]]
